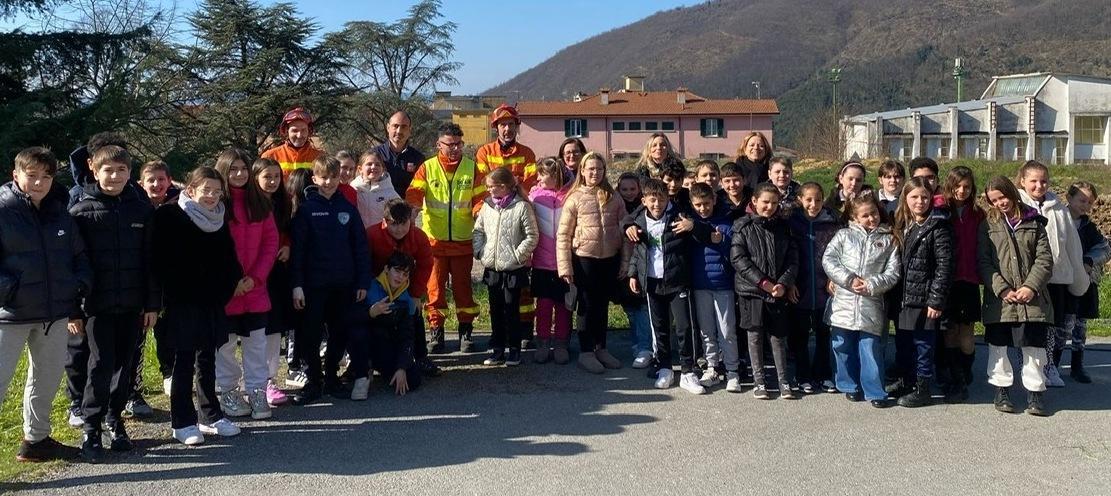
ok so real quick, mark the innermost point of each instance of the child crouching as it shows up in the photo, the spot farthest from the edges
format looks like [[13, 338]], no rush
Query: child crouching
[[381, 334]]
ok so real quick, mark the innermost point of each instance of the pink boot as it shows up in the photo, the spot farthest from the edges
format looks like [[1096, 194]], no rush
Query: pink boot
[[275, 396]]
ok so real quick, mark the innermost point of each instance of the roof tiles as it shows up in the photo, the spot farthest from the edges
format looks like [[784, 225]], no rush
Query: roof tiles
[[647, 103]]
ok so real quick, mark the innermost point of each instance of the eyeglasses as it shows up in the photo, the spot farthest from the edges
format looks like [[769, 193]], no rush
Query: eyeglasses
[[457, 144]]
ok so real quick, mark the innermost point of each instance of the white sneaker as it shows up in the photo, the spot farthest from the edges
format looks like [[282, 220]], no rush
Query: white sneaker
[[233, 404], [664, 377], [75, 420], [189, 436], [296, 379], [689, 383], [710, 377], [828, 386], [167, 384], [222, 427], [360, 389], [733, 382], [260, 408], [643, 360], [1053, 377]]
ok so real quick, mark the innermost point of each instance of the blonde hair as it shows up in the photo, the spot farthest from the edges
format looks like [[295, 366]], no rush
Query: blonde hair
[[604, 190], [644, 160]]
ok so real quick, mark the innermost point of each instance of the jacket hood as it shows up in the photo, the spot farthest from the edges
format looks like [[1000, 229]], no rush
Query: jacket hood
[[79, 166], [55, 200], [92, 190], [825, 216], [1051, 199], [882, 229]]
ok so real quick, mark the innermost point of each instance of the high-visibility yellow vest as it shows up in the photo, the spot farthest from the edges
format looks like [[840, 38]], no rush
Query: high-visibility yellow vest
[[447, 201]]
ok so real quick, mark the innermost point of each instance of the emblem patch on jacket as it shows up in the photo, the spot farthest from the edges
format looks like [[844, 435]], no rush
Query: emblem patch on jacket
[[343, 217]]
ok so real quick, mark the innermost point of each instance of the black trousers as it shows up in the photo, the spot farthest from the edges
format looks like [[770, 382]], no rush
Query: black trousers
[[595, 280], [420, 341], [663, 309], [194, 331], [136, 385], [111, 340], [798, 343], [370, 350], [504, 289], [324, 308], [77, 368], [164, 349]]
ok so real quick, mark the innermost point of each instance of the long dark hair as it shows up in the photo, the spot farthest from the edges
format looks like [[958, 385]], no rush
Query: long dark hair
[[280, 204], [295, 185], [258, 206]]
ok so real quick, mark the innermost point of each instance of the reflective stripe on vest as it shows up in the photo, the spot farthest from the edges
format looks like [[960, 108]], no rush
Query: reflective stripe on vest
[[447, 202]]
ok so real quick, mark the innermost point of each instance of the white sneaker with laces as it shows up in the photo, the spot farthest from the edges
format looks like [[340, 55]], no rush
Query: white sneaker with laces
[[222, 427], [664, 377], [260, 409], [233, 404], [689, 383], [189, 436], [643, 360], [296, 379], [75, 420], [360, 389], [733, 382], [828, 386], [710, 377], [1053, 377], [167, 384]]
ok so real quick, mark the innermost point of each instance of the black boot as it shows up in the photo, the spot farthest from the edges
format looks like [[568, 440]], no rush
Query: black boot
[[1035, 406], [120, 440], [898, 388], [919, 397], [466, 343], [967, 360], [957, 392], [1003, 400], [92, 447], [436, 344], [1078, 374]]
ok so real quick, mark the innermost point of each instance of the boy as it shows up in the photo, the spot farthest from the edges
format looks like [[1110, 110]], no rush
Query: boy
[[925, 168], [347, 168], [43, 273], [328, 267], [396, 233], [154, 177], [382, 330], [689, 179], [712, 284], [80, 163], [891, 175], [658, 268], [297, 151], [114, 222], [734, 194], [673, 175]]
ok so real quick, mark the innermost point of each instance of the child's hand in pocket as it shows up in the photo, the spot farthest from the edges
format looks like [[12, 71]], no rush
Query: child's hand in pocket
[[634, 286]]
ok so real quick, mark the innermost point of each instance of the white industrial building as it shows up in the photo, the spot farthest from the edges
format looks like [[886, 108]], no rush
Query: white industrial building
[[1052, 118]]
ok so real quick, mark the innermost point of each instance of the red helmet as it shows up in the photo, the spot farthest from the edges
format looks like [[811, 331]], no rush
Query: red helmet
[[297, 114], [504, 111]]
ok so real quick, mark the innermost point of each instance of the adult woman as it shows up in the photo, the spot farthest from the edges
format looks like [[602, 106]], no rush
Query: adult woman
[[571, 151], [656, 152], [753, 156]]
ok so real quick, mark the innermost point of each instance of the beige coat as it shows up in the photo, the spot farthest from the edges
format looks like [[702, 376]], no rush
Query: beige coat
[[504, 238], [588, 228]]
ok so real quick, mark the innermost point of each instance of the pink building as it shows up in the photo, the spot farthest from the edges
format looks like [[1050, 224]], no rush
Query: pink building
[[618, 123]]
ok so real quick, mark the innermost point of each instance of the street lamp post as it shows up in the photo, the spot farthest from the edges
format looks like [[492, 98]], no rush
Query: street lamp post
[[958, 74], [757, 85]]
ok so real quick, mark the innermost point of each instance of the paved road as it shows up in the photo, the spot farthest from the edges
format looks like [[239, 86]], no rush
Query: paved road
[[551, 429]]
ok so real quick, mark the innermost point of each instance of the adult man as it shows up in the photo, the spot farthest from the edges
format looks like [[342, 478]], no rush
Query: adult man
[[297, 151], [402, 160]]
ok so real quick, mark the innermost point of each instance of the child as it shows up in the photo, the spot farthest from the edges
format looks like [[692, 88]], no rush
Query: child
[[295, 185], [964, 294], [688, 180], [255, 235], [734, 194], [43, 275], [1069, 279], [673, 176], [553, 318], [504, 238], [812, 227], [297, 152], [850, 182], [115, 223], [1016, 263], [712, 282], [281, 318], [925, 240], [659, 269], [927, 169], [195, 263], [707, 172], [155, 178], [862, 263], [1082, 196], [781, 173], [330, 270], [382, 331], [588, 250], [640, 332], [891, 175], [346, 176], [374, 188], [766, 260]]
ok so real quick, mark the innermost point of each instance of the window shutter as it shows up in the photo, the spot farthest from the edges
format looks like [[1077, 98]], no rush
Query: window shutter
[[582, 128], [567, 128], [721, 128], [702, 127]]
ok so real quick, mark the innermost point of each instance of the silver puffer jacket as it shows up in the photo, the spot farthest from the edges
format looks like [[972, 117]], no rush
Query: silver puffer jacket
[[872, 256]]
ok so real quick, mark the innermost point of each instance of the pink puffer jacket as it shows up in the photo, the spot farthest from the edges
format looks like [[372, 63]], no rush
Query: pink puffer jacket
[[548, 204], [256, 246]]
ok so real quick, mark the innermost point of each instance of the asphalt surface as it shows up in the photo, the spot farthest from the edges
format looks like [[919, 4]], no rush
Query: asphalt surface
[[548, 429]]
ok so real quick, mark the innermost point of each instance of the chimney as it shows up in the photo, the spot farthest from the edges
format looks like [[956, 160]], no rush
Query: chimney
[[604, 96], [634, 83], [681, 95]]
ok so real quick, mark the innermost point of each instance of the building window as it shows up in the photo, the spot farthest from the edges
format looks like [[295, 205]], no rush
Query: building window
[[1060, 146], [711, 156], [651, 126], [634, 126], [667, 126], [712, 128], [618, 126], [1089, 130], [574, 128], [943, 148], [982, 148]]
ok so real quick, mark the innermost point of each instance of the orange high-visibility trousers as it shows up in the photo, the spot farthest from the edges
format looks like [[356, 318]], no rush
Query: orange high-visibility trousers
[[528, 307], [458, 268]]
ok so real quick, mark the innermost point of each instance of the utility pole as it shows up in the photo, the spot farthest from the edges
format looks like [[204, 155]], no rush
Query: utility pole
[[757, 85], [834, 78], [958, 74]]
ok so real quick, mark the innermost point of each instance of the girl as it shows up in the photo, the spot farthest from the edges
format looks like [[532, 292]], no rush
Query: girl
[[850, 182], [268, 175], [298, 180], [657, 151], [374, 188], [891, 176], [588, 249], [752, 158], [571, 152], [862, 263], [1069, 277], [504, 238], [766, 260], [1016, 263], [964, 300], [781, 174], [198, 271], [550, 291], [628, 186], [1082, 195], [256, 244], [926, 242]]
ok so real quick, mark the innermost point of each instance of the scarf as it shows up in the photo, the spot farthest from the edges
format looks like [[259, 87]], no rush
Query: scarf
[[503, 202], [205, 219]]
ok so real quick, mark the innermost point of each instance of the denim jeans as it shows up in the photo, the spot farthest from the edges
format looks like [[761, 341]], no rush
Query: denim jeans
[[859, 363], [640, 333]]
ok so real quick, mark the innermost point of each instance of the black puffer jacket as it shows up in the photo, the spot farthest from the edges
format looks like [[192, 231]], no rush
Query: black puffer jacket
[[676, 252], [193, 267], [43, 267], [117, 232], [762, 249], [927, 256]]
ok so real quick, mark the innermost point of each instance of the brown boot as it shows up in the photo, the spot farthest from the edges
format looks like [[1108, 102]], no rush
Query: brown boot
[[590, 363], [543, 351], [559, 353], [608, 361]]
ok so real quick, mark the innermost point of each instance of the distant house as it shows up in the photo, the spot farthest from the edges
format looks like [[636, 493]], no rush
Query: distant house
[[1049, 117], [618, 123], [471, 113]]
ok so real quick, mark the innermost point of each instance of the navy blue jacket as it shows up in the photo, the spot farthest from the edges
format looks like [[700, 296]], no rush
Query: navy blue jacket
[[710, 264], [812, 236], [329, 244], [83, 177], [401, 166]]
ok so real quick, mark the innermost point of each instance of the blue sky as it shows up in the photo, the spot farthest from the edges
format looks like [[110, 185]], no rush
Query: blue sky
[[491, 52]]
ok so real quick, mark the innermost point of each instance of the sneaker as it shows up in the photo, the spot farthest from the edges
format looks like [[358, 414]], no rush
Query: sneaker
[[787, 393], [828, 386], [497, 357], [710, 378], [428, 368], [296, 379], [514, 358], [233, 404], [167, 384], [854, 397], [274, 395], [361, 389], [689, 383], [222, 428], [189, 436], [809, 388], [733, 382], [46, 450], [664, 378], [309, 394], [760, 392], [260, 407], [139, 408], [119, 440], [92, 448], [75, 419], [642, 360], [1053, 377]]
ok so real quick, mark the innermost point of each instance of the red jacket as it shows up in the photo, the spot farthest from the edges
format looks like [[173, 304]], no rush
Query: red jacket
[[415, 244], [256, 247], [966, 228]]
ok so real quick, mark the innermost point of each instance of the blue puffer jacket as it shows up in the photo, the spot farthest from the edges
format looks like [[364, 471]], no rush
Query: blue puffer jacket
[[329, 244], [710, 264], [812, 236]]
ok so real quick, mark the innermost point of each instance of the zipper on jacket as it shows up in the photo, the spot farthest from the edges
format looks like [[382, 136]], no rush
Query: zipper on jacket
[[860, 266], [450, 196], [810, 260], [35, 213]]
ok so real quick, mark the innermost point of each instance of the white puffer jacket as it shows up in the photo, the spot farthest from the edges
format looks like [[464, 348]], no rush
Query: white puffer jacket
[[1064, 243], [871, 256], [373, 198], [504, 238]]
